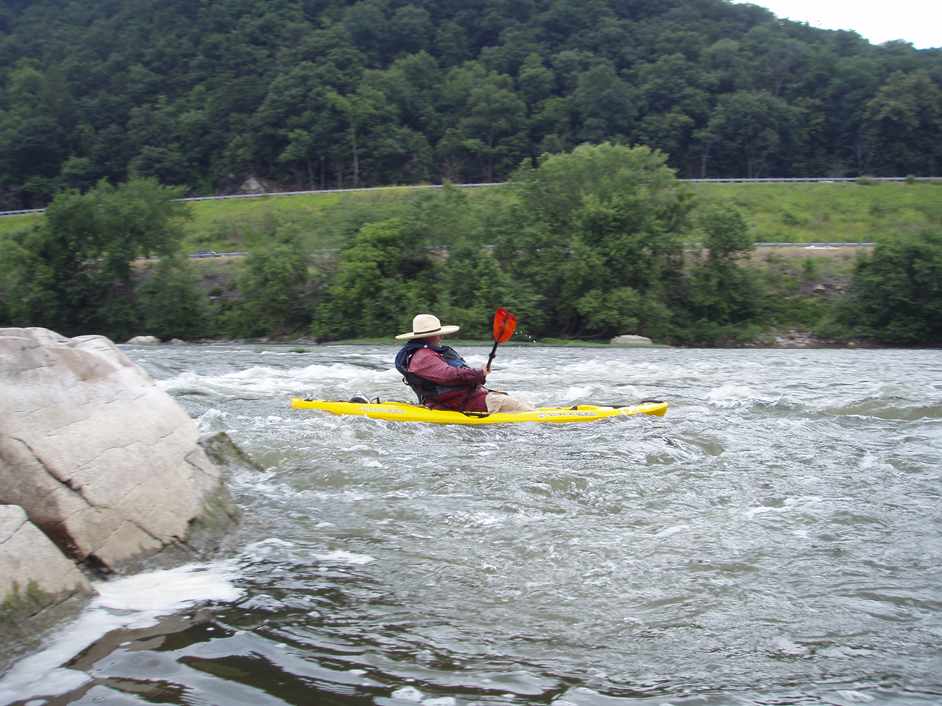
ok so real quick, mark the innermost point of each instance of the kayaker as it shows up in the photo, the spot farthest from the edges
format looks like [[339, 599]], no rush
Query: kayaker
[[439, 376]]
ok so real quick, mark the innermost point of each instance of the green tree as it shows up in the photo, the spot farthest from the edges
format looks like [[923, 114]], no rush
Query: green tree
[[606, 104], [274, 289], [722, 300], [359, 112], [172, 304], [495, 126], [903, 126], [75, 271], [535, 81], [600, 220], [34, 131], [748, 131], [896, 293], [206, 94], [381, 277]]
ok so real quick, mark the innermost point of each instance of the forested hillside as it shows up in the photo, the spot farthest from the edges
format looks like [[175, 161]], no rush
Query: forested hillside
[[328, 93]]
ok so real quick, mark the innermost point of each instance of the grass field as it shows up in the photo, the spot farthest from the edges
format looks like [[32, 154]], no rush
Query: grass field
[[787, 213], [11, 224], [838, 212]]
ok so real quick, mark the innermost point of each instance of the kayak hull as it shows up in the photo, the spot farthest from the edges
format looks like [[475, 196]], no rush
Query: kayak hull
[[403, 412]]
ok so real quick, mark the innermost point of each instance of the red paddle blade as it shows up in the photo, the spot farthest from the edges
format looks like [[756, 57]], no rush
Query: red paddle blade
[[505, 324]]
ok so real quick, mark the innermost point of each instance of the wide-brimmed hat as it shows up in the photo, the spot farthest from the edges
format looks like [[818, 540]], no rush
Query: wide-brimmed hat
[[426, 325]]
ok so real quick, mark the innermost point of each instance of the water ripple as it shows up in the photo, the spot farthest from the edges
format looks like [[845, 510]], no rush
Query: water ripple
[[774, 539]]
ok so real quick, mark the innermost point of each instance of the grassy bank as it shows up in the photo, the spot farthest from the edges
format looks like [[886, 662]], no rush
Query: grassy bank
[[838, 212], [789, 213]]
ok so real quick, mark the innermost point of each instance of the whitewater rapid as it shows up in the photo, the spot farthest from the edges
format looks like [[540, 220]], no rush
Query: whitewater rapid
[[773, 539]]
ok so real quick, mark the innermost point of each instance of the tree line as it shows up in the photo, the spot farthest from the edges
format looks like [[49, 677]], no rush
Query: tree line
[[600, 241], [328, 93]]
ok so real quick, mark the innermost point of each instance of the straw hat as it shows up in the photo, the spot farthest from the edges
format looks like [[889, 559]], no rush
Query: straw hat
[[425, 325]]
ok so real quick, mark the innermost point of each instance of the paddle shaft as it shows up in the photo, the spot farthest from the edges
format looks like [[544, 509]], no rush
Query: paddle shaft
[[490, 358]]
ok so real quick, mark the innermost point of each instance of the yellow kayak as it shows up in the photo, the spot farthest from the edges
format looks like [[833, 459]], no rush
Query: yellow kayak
[[403, 412]]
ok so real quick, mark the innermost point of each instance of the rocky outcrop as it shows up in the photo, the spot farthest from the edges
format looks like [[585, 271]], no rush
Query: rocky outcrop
[[224, 452], [629, 341], [34, 574], [257, 185], [103, 462]]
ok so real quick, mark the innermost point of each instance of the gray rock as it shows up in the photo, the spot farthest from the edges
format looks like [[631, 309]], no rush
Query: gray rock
[[144, 341], [257, 185], [103, 461], [223, 451], [176, 342], [630, 341]]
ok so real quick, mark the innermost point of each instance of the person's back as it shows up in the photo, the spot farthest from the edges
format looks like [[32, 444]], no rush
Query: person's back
[[440, 377]]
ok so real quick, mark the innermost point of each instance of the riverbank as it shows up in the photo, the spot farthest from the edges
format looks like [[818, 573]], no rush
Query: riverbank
[[776, 339]]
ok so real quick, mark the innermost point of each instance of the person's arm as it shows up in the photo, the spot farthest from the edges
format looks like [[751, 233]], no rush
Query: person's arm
[[429, 365]]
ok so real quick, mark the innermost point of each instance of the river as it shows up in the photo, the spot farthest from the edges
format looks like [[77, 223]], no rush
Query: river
[[775, 539]]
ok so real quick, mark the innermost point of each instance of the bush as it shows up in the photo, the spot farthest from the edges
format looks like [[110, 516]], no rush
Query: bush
[[172, 305], [896, 293]]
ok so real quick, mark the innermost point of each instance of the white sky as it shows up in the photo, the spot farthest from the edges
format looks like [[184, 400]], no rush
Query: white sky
[[915, 21]]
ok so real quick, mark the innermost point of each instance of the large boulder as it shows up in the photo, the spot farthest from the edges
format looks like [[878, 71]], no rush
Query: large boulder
[[101, 460], [34, 574]]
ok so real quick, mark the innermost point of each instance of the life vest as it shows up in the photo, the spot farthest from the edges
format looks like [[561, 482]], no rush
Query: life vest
[[426, 390]]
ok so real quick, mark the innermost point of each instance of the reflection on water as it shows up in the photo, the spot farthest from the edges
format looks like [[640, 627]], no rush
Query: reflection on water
[[774, 539]]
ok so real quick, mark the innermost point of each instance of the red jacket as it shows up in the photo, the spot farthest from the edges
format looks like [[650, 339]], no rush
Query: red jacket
[[430, 365]]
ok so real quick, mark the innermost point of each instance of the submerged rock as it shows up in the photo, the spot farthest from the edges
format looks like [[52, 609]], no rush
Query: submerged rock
[[100, 458], [144, 341], [222, 450], [630, 341]]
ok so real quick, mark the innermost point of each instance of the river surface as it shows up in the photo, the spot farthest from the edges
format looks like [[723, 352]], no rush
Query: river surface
[[775, 539]]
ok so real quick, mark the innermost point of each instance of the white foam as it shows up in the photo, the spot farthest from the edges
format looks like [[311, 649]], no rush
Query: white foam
[[132, 602], [343, 557], [669, 531], [267, 381], [731, 395], [266, 548], [212, 420], [408, 693]]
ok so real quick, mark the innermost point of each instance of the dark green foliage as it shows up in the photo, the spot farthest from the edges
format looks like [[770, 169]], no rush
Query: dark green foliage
[[896, 294], [172, 304], [360, 92], [588, 244], [274, 287], [383, 279], [719, 299], [73, 273], [597, 234]]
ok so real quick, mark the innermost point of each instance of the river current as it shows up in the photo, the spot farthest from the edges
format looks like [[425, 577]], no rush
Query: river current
[[775, 539]]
